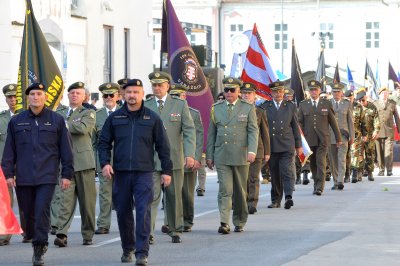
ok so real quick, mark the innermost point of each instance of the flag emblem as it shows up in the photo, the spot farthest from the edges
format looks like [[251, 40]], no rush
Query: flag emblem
[[190, 70]]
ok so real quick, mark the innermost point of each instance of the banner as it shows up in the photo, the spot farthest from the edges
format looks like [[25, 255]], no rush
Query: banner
[[306, 149], [336, 76], [257, 68], [37, 64], [351, 85], [372, 84], [184, 66], [320, 74], [296, 80]]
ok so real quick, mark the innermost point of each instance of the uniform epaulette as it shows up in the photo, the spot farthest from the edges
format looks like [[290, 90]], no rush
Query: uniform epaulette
[[177, 98], [346, 100], [216, 103], [3, 112], [98, 110], [149, 99], [392, 101], [191, 108], [244, 101], [305, 100]]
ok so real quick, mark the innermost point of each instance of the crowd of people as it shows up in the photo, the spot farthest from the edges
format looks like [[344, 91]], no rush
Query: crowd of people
[[145, 150]]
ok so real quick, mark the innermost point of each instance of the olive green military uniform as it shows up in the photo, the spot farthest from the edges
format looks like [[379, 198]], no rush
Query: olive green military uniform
[[189, 182], [372, 126], [81, 124], [181, 133], [105, 185], [357, 148], [5, 117], [231, 136]]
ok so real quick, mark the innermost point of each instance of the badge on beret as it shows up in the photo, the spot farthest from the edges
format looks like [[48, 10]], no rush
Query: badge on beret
[[138, 82], [108, 86], [40, 86], [80, 84], [11, 87], [157, 75], [313, 83], [230, 80], [247, 86]]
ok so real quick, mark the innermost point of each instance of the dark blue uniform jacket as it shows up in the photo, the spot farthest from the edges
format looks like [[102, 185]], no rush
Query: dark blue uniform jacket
[[34, 148], [135, 136]]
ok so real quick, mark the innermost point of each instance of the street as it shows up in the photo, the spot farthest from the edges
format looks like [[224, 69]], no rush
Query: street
[[356, 226]]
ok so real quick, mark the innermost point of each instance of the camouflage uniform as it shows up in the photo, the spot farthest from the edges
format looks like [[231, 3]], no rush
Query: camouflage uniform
[[357, 149], [372, 126]]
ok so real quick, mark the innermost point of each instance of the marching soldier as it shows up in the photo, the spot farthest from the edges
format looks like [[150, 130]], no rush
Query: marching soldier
[[384, 143], [181, 133], [231, 146], [285, 139], [81, 122], [110, 94], [372, 127], [315, 116], [189, 182], [248, 91]]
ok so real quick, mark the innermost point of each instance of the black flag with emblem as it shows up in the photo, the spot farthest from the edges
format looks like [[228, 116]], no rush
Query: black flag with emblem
[[37, 64]]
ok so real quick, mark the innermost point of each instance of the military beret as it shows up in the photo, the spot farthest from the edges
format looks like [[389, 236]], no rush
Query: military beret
[[109, 88], [76, 85], [133, 82], [289, 91], [10, 90], [382, 89], [158, 77], [35, 86], [177, 89], [122, 82], [314, 84], [230, 82], [349, 93], [360, 95], [337, 87], [247, 86], [277, 85]]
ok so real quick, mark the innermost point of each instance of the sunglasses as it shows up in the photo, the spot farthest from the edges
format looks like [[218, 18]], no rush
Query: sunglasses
[[221, 98], [108, 95], [362, 100], [226, 90]]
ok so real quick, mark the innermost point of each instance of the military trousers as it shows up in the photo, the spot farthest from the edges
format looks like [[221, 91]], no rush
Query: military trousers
[[189, 184], [173, 202], [384, 153], [232, 181], [83, 189], [282, 175], [202, 175], [129, 185], [357, 154], [105, 202], [369, 148], [253, 183], [337, 159], [318, 165], [35, 204]]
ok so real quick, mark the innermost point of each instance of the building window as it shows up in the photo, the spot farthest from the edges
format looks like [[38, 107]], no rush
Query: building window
[[281, 36], [108, 53], [372, 34], [236, 28], [327, 35], [126, 52]]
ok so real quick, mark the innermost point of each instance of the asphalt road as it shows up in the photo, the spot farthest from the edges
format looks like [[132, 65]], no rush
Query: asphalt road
[[356, 226]]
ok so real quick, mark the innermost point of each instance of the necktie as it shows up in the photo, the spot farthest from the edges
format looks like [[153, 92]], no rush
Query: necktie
[[278, 105], [337, 105], [315, 105], [230, 106], [160, 105], [110, 112], [69, 113]]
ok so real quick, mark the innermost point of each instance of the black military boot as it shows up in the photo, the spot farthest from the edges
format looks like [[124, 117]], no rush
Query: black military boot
[[305, 178], [354, 176], [298, 179], [38, 252]]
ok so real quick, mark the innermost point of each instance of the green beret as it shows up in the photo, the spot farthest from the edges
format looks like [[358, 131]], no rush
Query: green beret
[[35, 86], [10, 90], [122, 82], [158, 77], [314, 84], [337, 87], [247, 86], [76, 85], [360, 95], [177, 89], [230, 82], [277, 85], [349, 93], [289, 91], [109, 88], [133, 82]]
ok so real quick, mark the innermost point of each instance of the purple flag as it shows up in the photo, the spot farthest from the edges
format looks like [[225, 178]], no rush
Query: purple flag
[[392, 74], [184, 66]]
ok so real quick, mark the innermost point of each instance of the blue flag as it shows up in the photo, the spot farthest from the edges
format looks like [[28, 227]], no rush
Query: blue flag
[[350, 79], [184, 66]]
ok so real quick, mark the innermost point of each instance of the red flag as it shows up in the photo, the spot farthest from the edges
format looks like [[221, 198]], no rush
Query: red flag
[[8, 221], [257, 68], [306, 149]]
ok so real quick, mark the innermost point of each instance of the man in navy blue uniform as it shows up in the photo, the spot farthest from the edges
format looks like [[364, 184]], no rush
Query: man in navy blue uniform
[[136, 133], [37, 142]]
